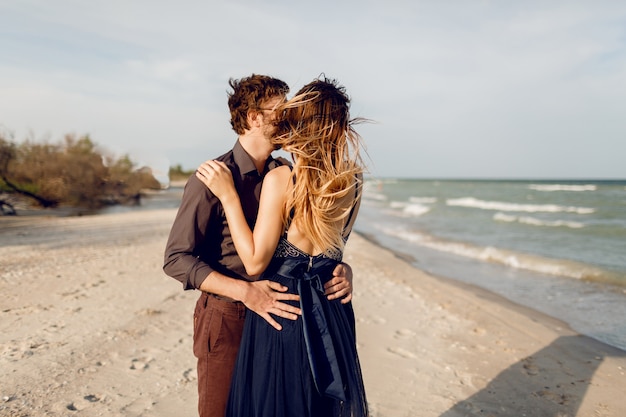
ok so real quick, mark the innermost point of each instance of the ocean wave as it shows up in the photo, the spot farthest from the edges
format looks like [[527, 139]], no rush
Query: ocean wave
[[502, 206], [501, 217], [549, 266], [423, 200], [372, 190], [398, 204], [368, 195], [415, 210], [563, 187]]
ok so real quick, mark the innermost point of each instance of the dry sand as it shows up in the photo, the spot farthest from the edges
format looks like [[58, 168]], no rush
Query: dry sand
[[91, 326]]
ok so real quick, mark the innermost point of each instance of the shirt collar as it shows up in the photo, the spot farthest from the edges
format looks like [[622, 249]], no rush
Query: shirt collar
[[245, 162]]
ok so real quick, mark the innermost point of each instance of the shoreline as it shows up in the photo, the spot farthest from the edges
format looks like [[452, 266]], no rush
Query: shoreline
[[485, 293], [505, 358], [91, 325], [591, 308]]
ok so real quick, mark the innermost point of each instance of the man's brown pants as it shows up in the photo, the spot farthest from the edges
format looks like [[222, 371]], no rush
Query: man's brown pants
[[218, 325]]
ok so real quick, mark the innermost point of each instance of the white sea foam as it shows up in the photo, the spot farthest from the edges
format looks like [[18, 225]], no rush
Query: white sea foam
[[416, 209], [409, 209], [398, 204], [509, 258], [562, 187], [423, 200], [368, 195], [501, 217], [503, 206], [372, 190]]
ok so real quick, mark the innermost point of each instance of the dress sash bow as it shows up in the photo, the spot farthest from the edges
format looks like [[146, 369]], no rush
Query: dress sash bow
[[317, 337]]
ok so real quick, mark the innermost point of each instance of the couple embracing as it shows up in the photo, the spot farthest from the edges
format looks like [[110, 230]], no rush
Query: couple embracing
[[263, 239]]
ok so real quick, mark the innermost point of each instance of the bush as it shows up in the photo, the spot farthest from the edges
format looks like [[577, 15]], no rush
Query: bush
[[73, 173], [177, 173]]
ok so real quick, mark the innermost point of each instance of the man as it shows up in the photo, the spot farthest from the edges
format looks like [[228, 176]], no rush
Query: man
[[200, 252]]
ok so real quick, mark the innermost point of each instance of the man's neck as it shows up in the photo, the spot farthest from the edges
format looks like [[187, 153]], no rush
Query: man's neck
[[257, 147]]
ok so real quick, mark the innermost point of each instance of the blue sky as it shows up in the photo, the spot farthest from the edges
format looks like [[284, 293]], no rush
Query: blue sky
[[457, 89]]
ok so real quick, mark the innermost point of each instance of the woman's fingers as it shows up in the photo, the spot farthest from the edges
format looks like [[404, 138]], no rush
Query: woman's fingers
[[211, 172]]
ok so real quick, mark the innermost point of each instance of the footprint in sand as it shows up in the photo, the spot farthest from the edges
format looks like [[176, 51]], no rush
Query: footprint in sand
[[74, 295], [529, 367], [372, 320], [149, 312], [189, 375], [479, 331], [140, 363], [83, 403], [560, 399], [94, 284], [92, 398], [402, 352], [404, 333]]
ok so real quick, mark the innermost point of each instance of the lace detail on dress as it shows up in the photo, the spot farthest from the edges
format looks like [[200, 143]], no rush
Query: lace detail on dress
[[287, 249]]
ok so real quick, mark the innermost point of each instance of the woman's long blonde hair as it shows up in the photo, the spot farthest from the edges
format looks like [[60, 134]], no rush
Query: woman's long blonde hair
[[316, 129]]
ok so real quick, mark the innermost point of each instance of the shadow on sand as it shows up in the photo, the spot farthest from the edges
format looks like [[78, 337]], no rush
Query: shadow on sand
[[549, 383]]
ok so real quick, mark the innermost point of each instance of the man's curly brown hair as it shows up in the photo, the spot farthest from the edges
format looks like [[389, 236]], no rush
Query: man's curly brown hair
[[249, 94]]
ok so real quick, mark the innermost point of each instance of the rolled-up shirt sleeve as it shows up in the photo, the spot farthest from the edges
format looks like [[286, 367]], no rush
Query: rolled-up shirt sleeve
[[185, 252]]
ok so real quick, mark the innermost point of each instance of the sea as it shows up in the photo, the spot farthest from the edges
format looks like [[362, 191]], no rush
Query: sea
[[558, 247]]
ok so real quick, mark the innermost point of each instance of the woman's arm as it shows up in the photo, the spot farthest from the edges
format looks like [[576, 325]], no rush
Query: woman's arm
[[254, 248]]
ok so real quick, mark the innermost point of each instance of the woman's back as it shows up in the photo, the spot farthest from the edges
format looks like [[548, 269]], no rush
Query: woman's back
[[348, 204]]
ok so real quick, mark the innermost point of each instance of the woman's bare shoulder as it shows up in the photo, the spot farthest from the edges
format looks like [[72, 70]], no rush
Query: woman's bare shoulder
[[278, 177], [279, 173]]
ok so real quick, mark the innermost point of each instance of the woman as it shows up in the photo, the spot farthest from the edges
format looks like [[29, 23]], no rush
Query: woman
[[310, 367]]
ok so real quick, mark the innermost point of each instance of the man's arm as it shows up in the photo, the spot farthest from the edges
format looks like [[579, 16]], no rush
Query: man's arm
[[187, 233], [262, 297], [181, 262]]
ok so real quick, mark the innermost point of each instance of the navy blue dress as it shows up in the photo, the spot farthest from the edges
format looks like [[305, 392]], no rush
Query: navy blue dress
[[310, 368]]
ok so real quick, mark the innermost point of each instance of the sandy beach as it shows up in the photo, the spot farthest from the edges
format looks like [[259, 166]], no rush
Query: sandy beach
[[91, 326]]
